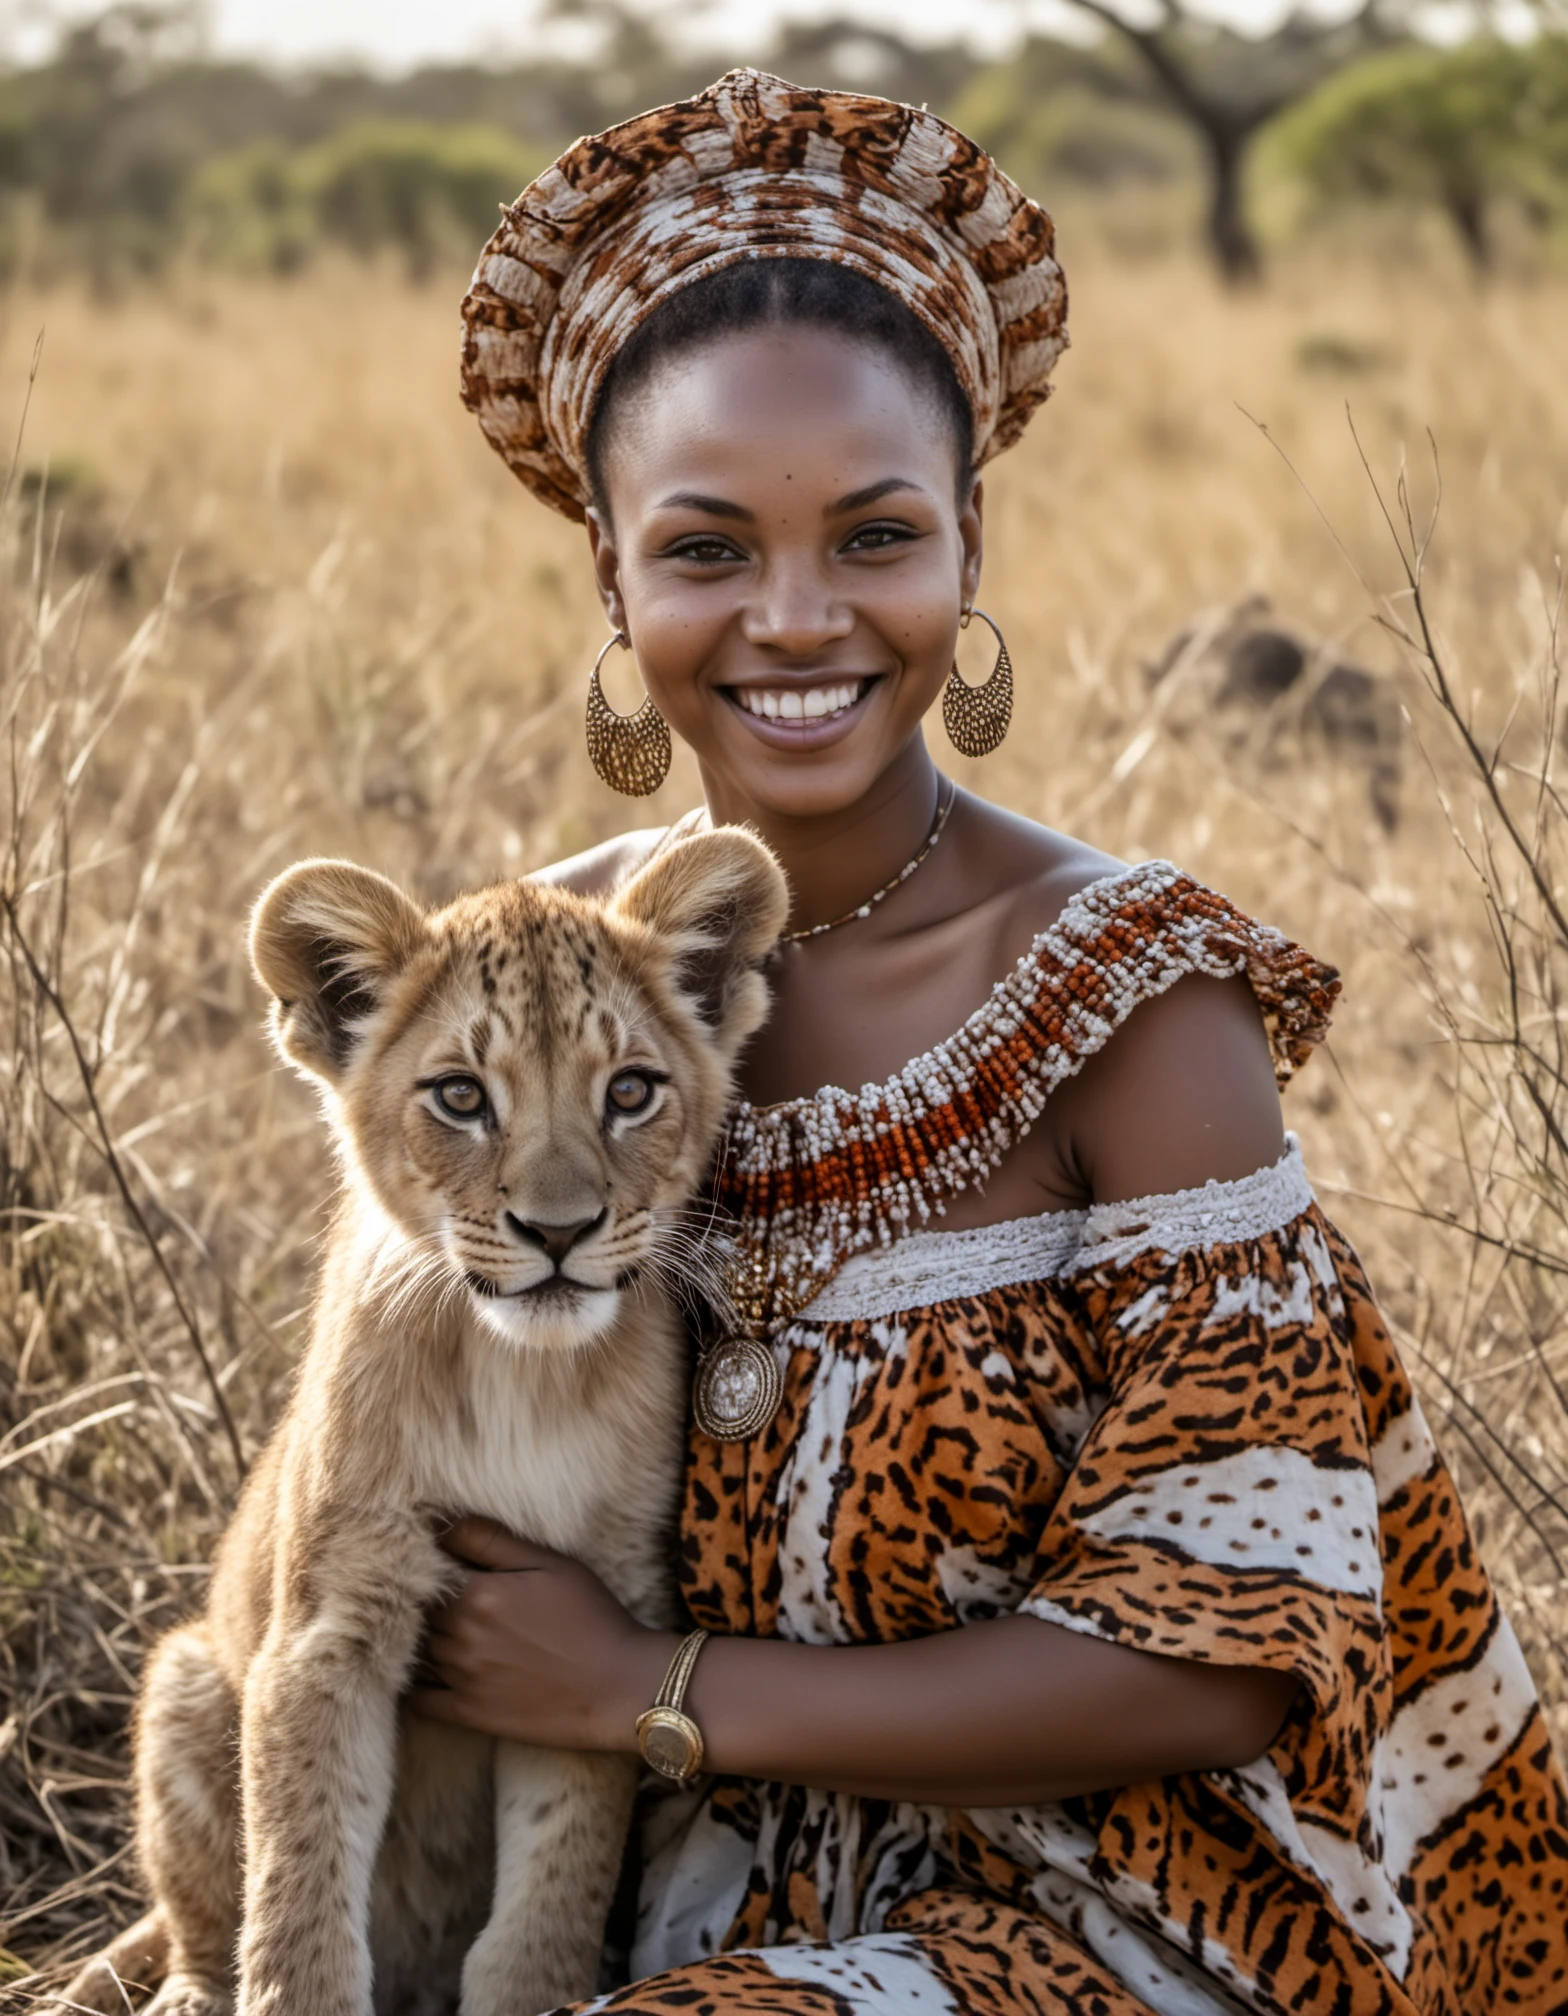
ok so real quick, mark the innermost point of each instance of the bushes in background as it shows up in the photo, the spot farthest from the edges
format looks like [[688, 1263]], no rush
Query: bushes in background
[[1465, 130], [130, 144], [424, 192]]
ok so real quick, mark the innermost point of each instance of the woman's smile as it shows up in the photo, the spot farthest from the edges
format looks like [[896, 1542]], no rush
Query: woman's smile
[[803, 714]]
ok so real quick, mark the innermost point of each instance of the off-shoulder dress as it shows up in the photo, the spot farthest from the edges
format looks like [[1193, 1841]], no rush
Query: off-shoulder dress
[[1178, 1424]]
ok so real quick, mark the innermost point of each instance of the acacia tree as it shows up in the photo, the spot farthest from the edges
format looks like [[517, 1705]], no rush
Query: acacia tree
[[1461, 129], [1228, 87]]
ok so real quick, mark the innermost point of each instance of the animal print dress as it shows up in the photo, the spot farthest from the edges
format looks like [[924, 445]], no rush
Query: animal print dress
[[1177, 1424]]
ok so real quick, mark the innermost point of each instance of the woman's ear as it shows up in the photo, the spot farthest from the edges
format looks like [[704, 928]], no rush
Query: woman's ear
[[325, 939], [606, 566], [971, 523], [716, 904]]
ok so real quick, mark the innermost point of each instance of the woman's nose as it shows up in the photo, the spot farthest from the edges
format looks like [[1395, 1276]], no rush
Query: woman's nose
[[796, 612]]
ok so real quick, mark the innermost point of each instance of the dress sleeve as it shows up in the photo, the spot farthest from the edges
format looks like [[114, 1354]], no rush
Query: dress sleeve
[[1260, 1489], [1222, 1507]]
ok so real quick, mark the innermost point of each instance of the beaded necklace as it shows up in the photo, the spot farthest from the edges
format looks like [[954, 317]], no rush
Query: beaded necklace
[[944, 806], [809, 1182]]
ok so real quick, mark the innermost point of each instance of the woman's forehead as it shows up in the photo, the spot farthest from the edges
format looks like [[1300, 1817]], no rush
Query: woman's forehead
[[826, 412]]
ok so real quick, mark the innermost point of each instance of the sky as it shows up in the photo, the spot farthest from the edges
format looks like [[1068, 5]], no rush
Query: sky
[[395, 34], [399, 32]]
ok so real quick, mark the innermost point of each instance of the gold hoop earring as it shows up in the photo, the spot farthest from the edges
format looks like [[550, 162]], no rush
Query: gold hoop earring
[[631, 752], [977, 717]]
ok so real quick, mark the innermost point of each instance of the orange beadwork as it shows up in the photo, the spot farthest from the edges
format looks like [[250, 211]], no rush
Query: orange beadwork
[[814, 1180]]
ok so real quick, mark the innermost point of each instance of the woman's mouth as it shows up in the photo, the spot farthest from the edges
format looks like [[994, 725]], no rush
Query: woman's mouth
[[801, 715]]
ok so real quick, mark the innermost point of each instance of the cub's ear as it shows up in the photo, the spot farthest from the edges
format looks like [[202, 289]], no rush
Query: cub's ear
[[718, 901], [325, 938]]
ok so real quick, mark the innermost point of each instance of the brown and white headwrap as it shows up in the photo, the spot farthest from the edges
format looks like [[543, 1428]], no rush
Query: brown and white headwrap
[[753, 168]]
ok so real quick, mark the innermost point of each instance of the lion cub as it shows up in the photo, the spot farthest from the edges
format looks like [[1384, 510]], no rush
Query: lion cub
[[526, 1087]]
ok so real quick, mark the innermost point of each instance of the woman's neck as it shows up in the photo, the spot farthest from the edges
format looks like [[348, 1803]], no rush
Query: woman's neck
[[835, 860]]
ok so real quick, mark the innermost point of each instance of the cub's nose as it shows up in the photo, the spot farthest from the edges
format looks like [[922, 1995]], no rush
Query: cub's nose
[[555, 1240]]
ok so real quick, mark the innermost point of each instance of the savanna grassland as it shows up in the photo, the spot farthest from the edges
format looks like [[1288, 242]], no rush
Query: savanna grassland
[[266, 593]]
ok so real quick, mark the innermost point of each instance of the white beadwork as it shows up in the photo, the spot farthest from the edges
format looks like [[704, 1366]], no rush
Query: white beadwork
[[1217, 1214], [930, 1267]]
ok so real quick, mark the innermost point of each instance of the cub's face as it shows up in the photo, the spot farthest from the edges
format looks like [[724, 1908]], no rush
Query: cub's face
[[531, 1083]]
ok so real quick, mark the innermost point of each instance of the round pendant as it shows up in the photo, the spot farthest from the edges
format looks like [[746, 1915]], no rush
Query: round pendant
[[737, 1389]]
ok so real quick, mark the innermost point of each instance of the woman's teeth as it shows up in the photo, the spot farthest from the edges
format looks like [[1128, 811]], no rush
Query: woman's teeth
[[813, 703]]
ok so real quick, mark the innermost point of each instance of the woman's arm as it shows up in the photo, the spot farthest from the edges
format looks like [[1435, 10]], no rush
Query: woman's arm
[[1003, 1713], [1011, 1711]]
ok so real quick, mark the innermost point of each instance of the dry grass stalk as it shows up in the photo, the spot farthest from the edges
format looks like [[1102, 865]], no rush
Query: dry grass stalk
[[1502, 1190]]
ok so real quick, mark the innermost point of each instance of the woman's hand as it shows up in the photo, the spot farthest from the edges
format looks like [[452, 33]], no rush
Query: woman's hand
[[1008, 1712], [534, 1647]]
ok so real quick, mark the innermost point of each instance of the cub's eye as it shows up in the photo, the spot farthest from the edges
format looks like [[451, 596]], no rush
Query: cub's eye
[[629, 1091], [464, 1098]]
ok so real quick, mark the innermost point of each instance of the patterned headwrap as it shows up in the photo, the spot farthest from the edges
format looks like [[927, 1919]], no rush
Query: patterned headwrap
[[753, 168]]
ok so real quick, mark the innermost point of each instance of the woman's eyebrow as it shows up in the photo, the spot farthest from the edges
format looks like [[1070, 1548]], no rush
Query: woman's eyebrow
[[694, 500], [721, 507], [858, 499]]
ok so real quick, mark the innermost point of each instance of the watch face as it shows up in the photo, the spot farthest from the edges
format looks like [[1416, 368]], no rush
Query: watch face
[[670, 1742]]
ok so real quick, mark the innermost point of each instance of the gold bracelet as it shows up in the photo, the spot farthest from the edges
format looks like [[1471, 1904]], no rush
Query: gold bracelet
[[669, 1740]]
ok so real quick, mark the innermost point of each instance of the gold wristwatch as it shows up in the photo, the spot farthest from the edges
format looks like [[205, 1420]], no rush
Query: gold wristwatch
[[669, 1740]]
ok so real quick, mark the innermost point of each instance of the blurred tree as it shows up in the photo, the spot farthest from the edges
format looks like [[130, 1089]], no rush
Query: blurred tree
[[633, 55], [427, 193], [104, 137], [1227, 87], [248, 209], [848, 55], [1463, 129], [419, 190], [1087, 114]]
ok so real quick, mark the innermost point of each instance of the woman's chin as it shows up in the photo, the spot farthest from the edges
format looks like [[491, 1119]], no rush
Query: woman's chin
[[785, 785]]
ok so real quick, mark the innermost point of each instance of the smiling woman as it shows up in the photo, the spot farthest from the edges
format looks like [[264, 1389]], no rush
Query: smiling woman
[[1085, 1619], [814, 465]]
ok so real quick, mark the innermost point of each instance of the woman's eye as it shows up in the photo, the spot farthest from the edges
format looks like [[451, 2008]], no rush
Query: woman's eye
[[706, 552], [874, 538], [464, 1098], [629, 1092]]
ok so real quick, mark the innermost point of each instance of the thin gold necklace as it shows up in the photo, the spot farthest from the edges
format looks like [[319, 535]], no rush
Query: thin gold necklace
[[944, 806]]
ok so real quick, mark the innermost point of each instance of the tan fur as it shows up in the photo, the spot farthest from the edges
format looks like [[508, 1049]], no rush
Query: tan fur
[[313, 1850]]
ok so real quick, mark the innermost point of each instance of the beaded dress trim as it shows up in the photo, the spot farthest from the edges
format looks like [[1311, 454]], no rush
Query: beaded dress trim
[[1214, 1214], [925, 1268], [812, 1181]]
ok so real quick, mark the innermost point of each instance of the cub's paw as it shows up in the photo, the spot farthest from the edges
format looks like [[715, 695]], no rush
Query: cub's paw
[[508, 1978], [184, 1995], [97, 1991], [109, 1983]]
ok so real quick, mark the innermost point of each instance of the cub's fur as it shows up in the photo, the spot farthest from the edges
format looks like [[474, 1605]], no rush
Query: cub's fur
[[526, 1088]]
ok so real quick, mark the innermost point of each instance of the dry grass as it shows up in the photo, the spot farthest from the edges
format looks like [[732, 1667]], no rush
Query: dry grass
[[316, 616]]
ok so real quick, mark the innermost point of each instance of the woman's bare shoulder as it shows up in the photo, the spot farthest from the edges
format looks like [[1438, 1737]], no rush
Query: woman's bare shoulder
[[1184, 1090], [598, 870], [1182, 1094]]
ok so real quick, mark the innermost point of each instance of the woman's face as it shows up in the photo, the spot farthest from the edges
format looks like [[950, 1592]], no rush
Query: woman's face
[[787, 554]]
